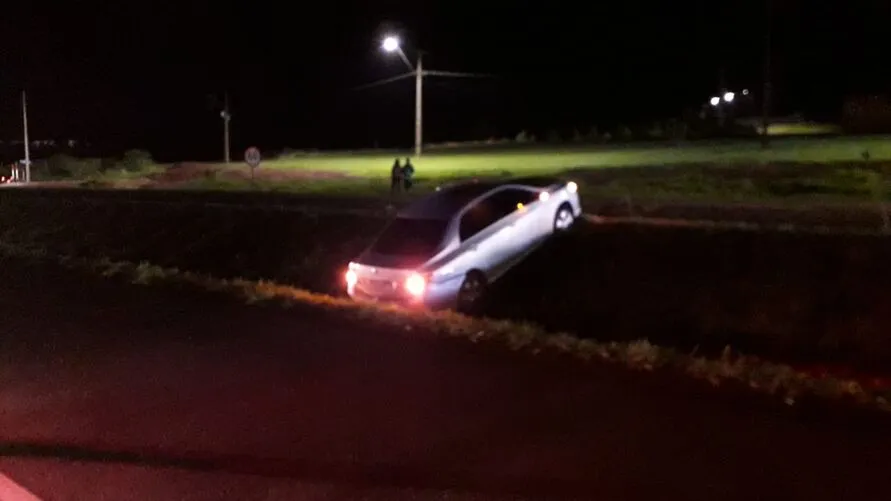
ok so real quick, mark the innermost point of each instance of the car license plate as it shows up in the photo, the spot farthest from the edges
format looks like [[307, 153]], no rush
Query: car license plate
[[381, 285]]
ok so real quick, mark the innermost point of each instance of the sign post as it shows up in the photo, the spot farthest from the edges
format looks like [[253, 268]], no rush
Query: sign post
[[252, 158]]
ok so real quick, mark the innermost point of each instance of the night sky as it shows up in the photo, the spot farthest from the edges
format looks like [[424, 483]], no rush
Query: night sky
[[151, 74]]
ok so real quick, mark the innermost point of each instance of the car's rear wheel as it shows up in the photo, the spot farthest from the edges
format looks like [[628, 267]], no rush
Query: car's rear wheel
[[470, 295], [564, 218]]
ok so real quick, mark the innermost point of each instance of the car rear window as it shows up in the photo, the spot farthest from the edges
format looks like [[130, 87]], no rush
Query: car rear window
[[409, 236]]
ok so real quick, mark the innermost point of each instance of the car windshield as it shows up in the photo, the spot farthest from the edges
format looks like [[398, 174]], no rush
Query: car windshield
[[411, 237]]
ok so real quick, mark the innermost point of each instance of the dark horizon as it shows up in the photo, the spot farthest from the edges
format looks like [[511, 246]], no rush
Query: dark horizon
[[137, 75]]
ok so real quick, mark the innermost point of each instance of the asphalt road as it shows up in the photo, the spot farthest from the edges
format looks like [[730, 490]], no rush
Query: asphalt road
[[115, 391]]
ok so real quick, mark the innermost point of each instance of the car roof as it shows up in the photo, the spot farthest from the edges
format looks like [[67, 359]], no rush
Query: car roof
[[448, 200]]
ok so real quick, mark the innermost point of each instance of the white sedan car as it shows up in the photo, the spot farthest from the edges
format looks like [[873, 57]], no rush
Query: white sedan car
[[445, 249]]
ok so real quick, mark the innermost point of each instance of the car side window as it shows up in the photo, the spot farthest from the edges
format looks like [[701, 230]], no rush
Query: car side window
[[505, 202], [475, 220], [491, 209]]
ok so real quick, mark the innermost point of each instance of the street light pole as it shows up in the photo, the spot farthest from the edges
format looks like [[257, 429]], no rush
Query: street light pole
[[767, 87], [226, 117], [392, 44], [419, 105], [27, 143]]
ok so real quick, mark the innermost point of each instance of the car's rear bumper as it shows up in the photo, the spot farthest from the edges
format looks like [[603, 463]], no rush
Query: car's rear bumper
[[438, 295]]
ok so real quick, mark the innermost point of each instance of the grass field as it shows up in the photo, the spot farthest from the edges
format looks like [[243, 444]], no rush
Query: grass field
[[792, 169], [520, 160], [795, 183]]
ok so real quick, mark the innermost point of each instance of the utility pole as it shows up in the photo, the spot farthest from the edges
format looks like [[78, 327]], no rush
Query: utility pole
[[766, 91], [27, 144], [722, 89], [419, 102], [226, 117]]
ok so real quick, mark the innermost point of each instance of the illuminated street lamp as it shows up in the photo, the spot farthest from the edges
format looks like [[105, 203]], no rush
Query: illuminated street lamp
[[728, 97], [715, 101], [391, 44]]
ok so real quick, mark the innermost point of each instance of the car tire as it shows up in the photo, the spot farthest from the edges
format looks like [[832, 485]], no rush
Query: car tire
[[471, 293], [564, 218]]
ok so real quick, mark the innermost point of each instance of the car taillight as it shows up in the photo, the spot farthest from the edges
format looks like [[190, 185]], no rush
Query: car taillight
[[415, 285], [351, 278]]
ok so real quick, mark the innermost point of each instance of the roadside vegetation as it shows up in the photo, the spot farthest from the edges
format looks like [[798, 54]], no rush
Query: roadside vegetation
[[815, 300], [62, 167], [794, 387]]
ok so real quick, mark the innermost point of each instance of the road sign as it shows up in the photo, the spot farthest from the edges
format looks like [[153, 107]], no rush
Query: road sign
[[252, 157]]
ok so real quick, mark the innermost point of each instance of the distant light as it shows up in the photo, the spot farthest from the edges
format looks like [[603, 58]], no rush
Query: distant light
[[544, 196], [728, 97], [715, 101], [390, 44], [745, 92]]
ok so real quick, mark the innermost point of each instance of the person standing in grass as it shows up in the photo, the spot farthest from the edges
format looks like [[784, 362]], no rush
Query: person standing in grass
[[407, 172], [395, 177]]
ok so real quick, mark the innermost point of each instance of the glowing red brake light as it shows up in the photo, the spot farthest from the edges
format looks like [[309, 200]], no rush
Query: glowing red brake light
[[351, 278], [415, 285]]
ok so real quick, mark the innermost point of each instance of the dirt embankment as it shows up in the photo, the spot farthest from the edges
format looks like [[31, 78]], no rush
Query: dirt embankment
[[786, 295]]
